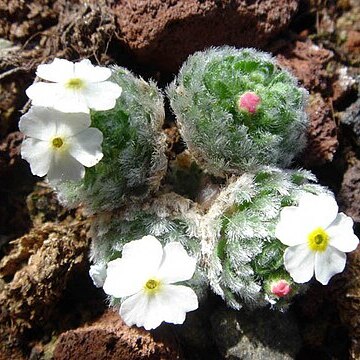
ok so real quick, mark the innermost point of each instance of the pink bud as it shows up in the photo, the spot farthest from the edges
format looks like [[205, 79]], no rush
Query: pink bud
[[249, 102], [280, 288]]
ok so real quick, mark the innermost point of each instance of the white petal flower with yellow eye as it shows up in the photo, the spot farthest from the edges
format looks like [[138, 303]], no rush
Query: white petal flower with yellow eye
[[74, 87], [317, 236], [59, 145], [145, 276]]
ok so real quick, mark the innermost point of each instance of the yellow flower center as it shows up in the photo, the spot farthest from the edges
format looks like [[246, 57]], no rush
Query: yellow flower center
[[57, 142], [152, 285], [318, 240], [75, 84]]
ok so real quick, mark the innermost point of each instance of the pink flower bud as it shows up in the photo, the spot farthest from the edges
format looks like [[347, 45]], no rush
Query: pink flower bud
[[249, 102], [280, 288]]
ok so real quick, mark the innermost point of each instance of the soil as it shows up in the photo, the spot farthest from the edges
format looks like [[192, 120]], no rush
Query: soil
[[48, 303]]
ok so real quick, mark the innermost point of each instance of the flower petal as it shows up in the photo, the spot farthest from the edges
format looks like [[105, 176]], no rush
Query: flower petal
[[38, 154], [69, 124], [70, 101], [181, 299], [85, 70], [64, 167], [86, 147], [292, 228], [139, 263], [57, 96], [177, 265], [97, 273], [145, 253], [102, 96], [58, 71], [44, 94], [296, 222], [37, 123], [342, 234], [320, 209], [328, 263], [135, 311], [299, 262], [169, 305], [123, 279]]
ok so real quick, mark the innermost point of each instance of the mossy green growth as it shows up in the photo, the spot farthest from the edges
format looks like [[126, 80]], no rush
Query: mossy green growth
[[241, 231], [238, 110], [233, 240], [134, 159], [169, 217]]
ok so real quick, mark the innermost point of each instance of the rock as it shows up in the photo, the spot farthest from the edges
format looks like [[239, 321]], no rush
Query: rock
[[109, 338], [347, 295], [12, 95], [352, 44], [196, 334], [164, 33], [349, 194], [344, 87], [322, 133], [348, 301], [348, 32], [256, 335], [9, 353], [19, 19], [10, 150], [16, 182], [351, 118], [35, 273], [307, 62], [323, 334], [43, 206]]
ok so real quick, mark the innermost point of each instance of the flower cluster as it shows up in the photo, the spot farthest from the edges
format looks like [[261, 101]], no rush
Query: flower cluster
[[253, 237], [59, 140]]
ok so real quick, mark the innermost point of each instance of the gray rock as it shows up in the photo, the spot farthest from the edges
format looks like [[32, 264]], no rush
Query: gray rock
[[256, 335], [351, 118]]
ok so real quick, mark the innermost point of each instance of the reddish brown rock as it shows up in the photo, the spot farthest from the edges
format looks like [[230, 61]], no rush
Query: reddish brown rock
[[163, 33], [35, 272], [109, 338], [307, 62], [353, 41], [322, 133]]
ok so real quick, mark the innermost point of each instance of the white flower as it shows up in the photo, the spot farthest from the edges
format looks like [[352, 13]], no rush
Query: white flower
[[97, 273], [145, 275], [317, 237], [75, 87], [59, 144]]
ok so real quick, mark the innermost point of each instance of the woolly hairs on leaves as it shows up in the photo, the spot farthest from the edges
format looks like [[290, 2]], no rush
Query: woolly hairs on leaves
[[225, 138], [134, 159]]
